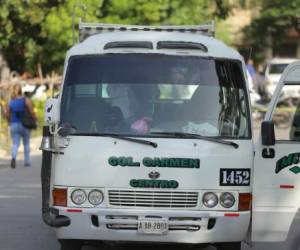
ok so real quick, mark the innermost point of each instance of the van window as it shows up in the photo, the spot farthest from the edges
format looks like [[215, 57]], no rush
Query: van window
[[277, 68], [136, 94], [286, 116]]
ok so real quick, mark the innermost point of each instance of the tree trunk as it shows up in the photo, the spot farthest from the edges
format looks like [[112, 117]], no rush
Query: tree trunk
[[268, 51], [298, 48]]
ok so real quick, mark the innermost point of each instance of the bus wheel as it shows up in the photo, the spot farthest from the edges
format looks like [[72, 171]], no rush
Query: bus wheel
[[229, 246], [70, 244]]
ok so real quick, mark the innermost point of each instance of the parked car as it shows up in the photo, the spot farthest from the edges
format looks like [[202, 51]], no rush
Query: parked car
[[274, 69]]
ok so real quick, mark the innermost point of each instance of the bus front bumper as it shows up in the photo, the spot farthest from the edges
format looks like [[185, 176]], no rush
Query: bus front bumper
[[184, 226]]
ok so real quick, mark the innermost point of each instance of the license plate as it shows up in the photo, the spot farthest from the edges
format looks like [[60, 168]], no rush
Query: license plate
[[153, 226]]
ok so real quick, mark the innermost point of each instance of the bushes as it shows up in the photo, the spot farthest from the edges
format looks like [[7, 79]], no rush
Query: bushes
[[4, 135], [39, 106]]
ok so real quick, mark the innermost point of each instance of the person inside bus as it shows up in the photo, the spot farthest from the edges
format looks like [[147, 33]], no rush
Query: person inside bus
[[134, 103]]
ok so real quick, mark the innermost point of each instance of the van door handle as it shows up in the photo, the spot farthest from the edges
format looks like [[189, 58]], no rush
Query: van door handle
[[268, 153]]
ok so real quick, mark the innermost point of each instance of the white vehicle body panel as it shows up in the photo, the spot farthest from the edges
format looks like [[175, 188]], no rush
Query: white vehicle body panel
[[95, 44], [276, 196], [95, 151]]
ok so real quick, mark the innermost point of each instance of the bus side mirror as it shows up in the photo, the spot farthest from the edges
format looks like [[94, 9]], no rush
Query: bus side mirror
[[52, 111], [267, 133]]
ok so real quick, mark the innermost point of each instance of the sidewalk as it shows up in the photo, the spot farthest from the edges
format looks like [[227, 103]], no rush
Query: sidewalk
[[35, 143]]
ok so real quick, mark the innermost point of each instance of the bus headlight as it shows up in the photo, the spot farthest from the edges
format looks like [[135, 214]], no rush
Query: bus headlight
[[210, 199], [95, 197], [227, 200], [78, 196]]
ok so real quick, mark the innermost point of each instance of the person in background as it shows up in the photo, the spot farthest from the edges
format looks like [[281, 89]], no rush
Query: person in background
[[261, 85], [251, 69], [14, 113]]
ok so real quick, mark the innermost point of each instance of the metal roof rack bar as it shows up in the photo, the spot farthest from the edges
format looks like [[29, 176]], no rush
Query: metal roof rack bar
[[89, 29]]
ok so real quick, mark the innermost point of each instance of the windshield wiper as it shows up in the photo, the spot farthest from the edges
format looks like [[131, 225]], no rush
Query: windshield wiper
[[196, 136], [121, 137]]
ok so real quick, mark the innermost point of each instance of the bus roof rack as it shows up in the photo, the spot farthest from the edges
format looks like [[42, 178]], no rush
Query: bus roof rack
[[89, 29]]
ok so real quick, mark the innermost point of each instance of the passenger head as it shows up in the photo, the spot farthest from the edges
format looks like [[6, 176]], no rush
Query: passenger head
[[250, 61], [178, 75]]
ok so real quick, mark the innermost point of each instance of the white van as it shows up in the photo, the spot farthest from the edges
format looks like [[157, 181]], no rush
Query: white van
[[150, 140]]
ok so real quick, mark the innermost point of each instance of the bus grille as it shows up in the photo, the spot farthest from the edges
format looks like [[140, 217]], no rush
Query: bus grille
[[164, 199]]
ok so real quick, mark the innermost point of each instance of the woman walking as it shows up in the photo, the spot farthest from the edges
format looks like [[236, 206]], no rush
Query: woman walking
[[14, 113]]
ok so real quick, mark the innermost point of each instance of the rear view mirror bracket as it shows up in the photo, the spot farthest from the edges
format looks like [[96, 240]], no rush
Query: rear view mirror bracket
[[52, 111]]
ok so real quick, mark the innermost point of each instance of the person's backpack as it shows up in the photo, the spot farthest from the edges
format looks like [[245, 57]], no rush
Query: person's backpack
[[28, 120]]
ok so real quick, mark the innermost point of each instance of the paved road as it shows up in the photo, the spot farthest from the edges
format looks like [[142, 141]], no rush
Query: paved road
[[21, 227]]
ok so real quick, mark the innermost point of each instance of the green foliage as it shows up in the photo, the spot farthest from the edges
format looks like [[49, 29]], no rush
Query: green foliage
[[276, 20], [40, 31], [223, 33], [4, 135], [39, 108]]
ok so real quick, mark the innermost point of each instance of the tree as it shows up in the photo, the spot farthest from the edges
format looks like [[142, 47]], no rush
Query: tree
[[276, 20], [20, 26], [40, 31]]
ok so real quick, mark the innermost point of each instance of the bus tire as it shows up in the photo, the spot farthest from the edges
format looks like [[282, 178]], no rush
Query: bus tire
[[229, 246], [70, 244]]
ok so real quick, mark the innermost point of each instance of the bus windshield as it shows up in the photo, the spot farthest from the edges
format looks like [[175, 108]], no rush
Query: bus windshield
[[143, 94]]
